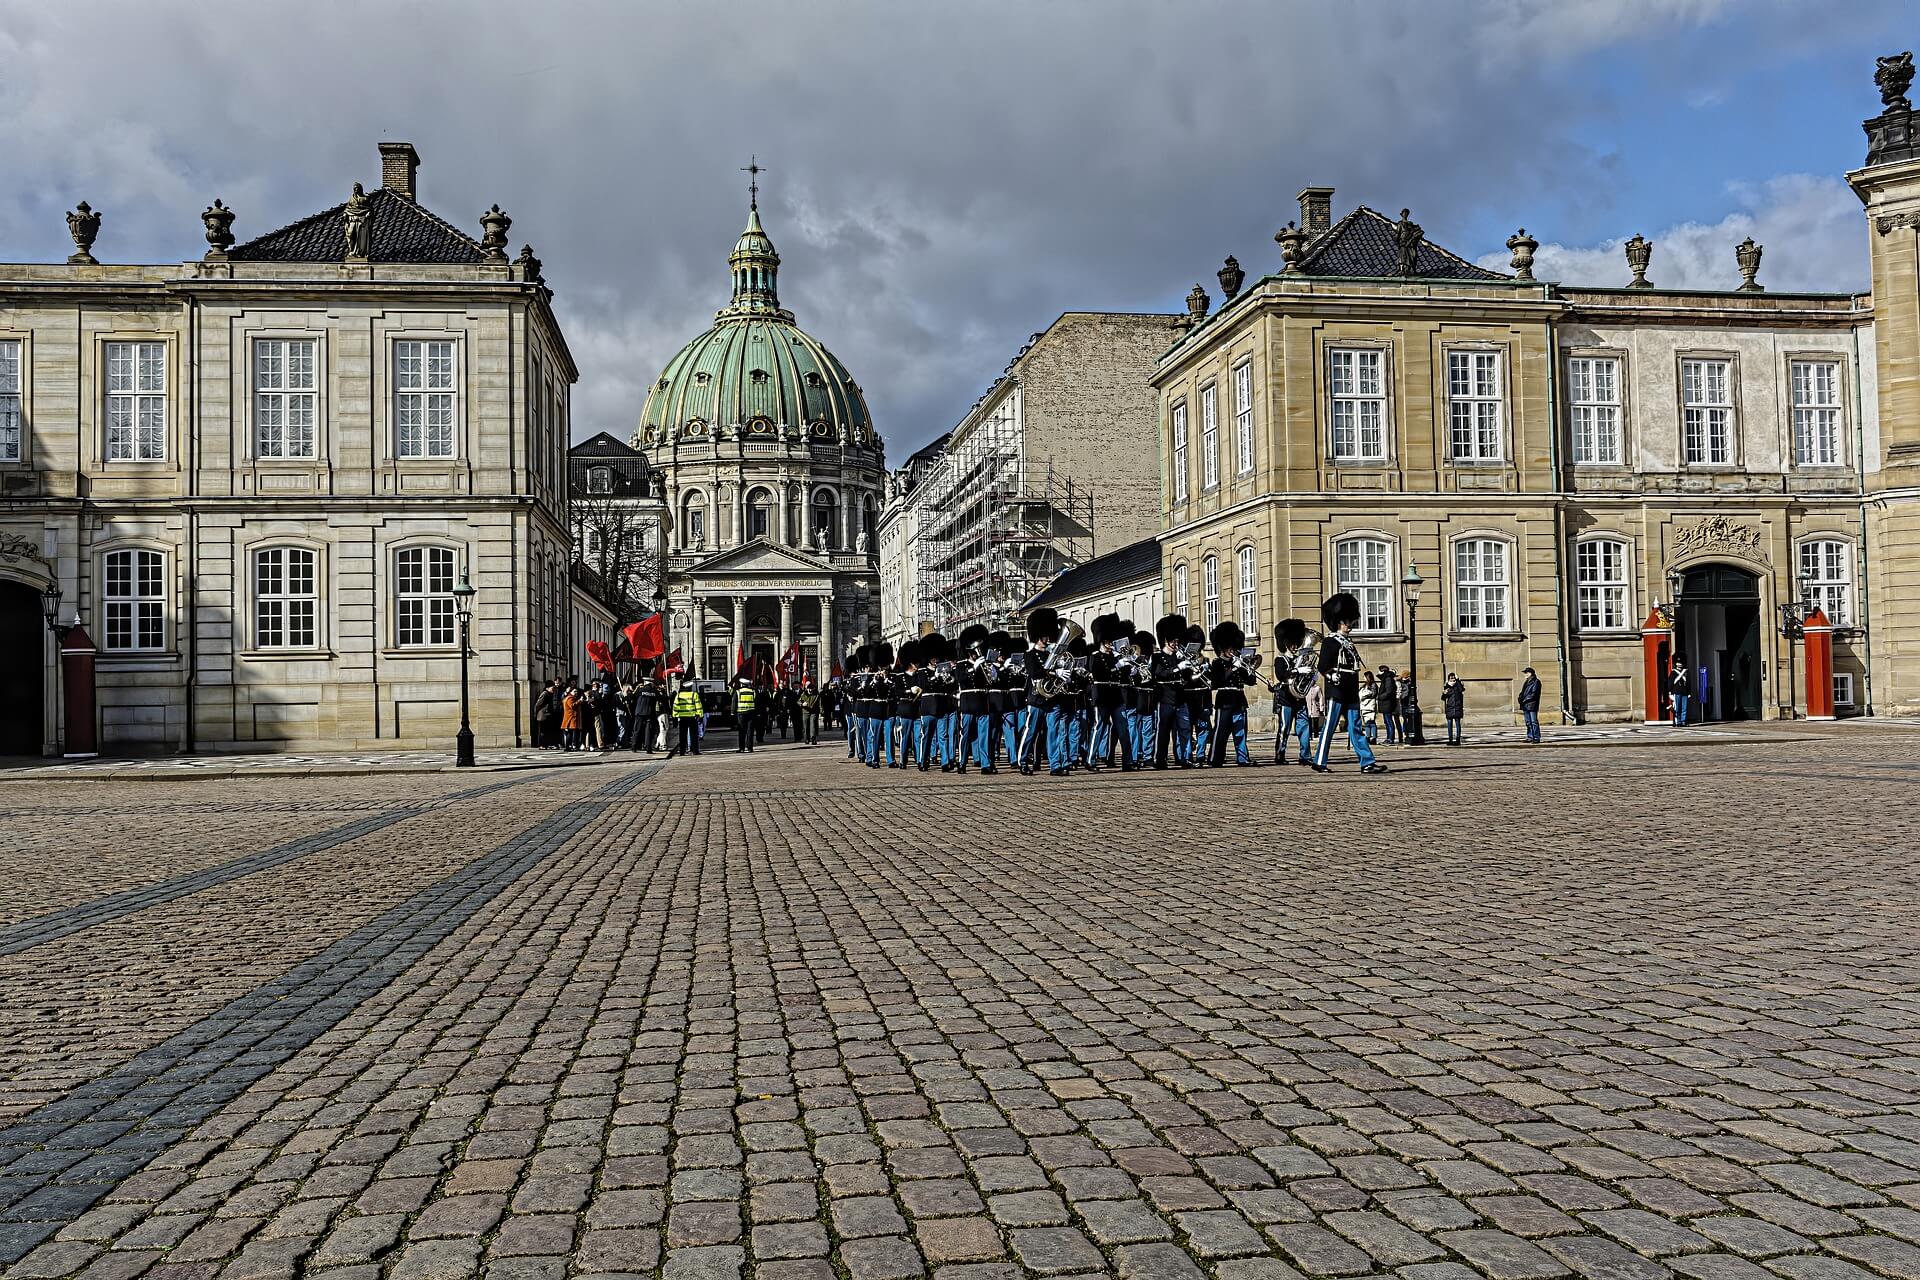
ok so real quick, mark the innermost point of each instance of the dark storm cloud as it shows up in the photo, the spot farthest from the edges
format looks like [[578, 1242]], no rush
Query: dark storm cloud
[[945, 179]]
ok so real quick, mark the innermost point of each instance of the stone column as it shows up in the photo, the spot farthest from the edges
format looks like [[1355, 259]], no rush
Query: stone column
[[786, 627], [739, 627], [740, 512], [829, 637], [697, 637], [846, 520]]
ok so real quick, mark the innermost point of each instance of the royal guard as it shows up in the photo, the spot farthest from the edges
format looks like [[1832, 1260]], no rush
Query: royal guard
[[1289, 692], [974, 680], [1340, 664], [1171, 725], [1229, 674]]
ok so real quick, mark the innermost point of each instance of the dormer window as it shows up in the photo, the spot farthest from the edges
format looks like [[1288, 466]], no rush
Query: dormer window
[[702, 378], [814, 379], [758, 375], [600, 480]]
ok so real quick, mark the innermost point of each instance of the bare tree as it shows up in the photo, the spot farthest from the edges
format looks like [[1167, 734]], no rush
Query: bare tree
[[617, 540]]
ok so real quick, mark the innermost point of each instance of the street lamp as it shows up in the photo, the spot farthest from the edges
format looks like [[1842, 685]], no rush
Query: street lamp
[[50, 610], [1410, 586], [463, 607]]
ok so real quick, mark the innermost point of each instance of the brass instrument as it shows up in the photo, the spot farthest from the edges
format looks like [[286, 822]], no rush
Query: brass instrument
[[1306, 667], [1053, 680]]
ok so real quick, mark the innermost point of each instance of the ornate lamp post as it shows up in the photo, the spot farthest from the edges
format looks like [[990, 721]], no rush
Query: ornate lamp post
[[50, 610], [1410, 586], [463, 607], [1675, 581]]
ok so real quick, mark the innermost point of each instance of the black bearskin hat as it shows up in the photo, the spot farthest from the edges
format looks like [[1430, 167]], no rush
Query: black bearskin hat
[[1171, 629], [1124, 629], [1340, 607], [1196, 636], [1143, 640], [1105, 628], [1079, 648], [909, 655], [880, 655], [935, 647], [1043, 624], [1001, 641], [974, 636], [1227, 636], [1291, 633]]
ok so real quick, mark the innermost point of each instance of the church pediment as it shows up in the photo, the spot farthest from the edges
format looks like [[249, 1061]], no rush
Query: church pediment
[[760, 557]]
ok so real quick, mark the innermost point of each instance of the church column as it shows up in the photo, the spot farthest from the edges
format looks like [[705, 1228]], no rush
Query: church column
[[846, 519], [696, 659], [786, 627], [829, 638], [739, 627]]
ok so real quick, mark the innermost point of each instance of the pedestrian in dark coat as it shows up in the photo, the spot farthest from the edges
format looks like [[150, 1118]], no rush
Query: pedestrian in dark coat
[[1453, 701], [1529, 701], [546, 717]]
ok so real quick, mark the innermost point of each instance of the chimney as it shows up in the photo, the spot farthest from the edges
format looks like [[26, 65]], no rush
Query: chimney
[[1316, 210], [398, 160]]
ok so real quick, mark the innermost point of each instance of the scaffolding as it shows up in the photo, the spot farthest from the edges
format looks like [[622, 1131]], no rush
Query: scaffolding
[[994, 528]]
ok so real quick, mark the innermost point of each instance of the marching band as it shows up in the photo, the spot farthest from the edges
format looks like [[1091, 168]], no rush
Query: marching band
[[1117, 698]]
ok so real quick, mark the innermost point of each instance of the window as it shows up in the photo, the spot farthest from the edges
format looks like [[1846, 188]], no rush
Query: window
[[285, 598], [1707, 413], [826, 522], [1359, 405], [1480, 584], [759, 513], [695, 533], [1247, 583], [1210, 589], [423, 402], [599, 479], [1180, 598], [1600, 583], [136, 600], [1473, 405], [11, 433], [284, 397], [1180, 452], [1209, 438], [1843, 688], [424, 594], [1816, 413], [136, 401], [1825, 581], [1364, 568], [1243, 415], [1593, 388]]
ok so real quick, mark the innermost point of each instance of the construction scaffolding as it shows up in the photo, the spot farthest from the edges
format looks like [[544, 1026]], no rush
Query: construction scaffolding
[[994, 528]]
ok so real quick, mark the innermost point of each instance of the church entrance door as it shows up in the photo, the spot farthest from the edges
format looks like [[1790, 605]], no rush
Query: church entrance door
[[1719, 632], [22, 703]]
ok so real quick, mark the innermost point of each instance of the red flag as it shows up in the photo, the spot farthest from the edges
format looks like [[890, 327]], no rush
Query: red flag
[[838, 674], [601, 653], [646, 638], [674, 665], [790, 665], [740, 658]]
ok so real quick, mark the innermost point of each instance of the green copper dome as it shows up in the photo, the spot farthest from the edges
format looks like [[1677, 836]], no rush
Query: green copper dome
[[755, 372]]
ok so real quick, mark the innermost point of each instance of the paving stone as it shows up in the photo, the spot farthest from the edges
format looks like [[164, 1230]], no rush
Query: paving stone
[[945, 1240], [1386, 1241], [1054, 1250], [1155, 1262], [1501, 1256]]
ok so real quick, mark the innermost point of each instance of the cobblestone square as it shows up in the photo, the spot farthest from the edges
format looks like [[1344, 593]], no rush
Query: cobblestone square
[[1624, 1008]]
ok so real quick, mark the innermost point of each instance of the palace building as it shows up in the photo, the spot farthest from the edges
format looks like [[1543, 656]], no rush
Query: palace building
[[1512, 472], [772, 475]]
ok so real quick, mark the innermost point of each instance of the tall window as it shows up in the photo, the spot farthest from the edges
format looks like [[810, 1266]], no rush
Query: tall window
[[1248, 584], [284, 396], [1593, 388], [424, 596], [136, 401], [136, 601], [826, 521], [1473, 405], [1707, 411], [1210, 589], [1180, 452], [423, 403], [1816, 412], [1600, 583], [695, 532], [1180, 598], [285, 598], [11, 415], [1826, 579], [1363, 567], [1243, 415], [759, 513], [1359, 405], [1209, 437], [1480, 584]]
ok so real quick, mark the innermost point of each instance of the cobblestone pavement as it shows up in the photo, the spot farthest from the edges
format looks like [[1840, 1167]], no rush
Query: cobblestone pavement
[[1615, 1009], [319, 764]]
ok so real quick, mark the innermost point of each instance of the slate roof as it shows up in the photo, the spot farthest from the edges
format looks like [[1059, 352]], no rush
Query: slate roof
[[1361, 244], [402, 231], [1130, 563], [632, 475]]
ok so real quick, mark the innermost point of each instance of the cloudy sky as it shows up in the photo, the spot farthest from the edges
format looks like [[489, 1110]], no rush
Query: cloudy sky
[[948, 177]]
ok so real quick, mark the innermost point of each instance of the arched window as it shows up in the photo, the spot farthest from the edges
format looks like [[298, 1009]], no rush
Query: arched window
[[423, 597], [867, 517], [1363, 567], [136, 601], [1180, 596], [759, 513], [826, 521], [286, 598], [1247, 585], [599, 479], [1210, 590], [693, 521], [1826, 578], [1600, 583], [1482, 583]]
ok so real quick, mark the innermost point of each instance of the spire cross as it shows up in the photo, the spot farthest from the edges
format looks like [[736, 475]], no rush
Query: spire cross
[[754, 169]]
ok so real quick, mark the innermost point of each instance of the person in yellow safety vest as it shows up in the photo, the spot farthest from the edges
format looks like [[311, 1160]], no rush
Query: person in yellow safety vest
[[743, 707], [687, 710]]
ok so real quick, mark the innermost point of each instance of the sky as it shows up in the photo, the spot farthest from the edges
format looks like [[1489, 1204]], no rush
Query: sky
[[944, 179]]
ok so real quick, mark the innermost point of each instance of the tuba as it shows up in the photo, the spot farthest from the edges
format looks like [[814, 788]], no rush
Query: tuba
[[1306, 667], [1053, 683]]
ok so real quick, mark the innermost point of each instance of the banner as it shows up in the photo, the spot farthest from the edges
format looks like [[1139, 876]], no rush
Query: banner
[[789, 672], [674, 665], [601, 653], [646, 638]]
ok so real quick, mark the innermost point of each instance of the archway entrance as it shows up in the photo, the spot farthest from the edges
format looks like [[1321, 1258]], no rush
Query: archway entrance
[[1719, 632], [22, 702]]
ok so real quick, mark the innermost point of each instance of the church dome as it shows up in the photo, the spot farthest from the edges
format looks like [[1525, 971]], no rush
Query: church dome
[[755, 372]]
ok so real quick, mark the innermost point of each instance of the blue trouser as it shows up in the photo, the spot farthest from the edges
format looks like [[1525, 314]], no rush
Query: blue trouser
[[900, 742], [1202, 731], [1532, 719], [1144, 720], [956, 745], [1294, 724], [1173, 733], [876, 738], [1337, 713], [1077, 735], [854, 734], [1056, 718], [1680, 701], [1010, 734], [930, 741], [1390, 721], [1233, 724], [1100, 743], [976, 733]]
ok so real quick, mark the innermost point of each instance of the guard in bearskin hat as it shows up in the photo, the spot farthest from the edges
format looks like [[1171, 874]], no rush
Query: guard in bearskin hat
[[904, 704], [1078, 704], [1043, 716], [1289, 699], [933, 738], [1009, 697], [1230, 672], [1172, 728], [973, 682], [1141, 700], [1199, 696], [1103, 671], [1340, 664], [876, 698]]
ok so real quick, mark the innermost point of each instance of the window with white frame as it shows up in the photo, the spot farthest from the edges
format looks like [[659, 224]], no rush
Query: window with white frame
[[423, 597], [1826, 580], [1706, 398], [1473, 405], [1363, 567], [1243, 415], [136, 601], [1209, 437], [599, 479], [286, 598], [1593, 392], [1843, 688], [423, 398], [136, 401], [1600, 583], [285, 397], [1180, 598], [1480, 584], [1248, 585], [1816, 412], [12, 415], [1357, 382], [1180, 451], [1210, 590]]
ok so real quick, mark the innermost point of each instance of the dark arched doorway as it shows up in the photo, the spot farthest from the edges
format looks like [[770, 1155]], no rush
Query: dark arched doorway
[[23, 635], [1719, 632]]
